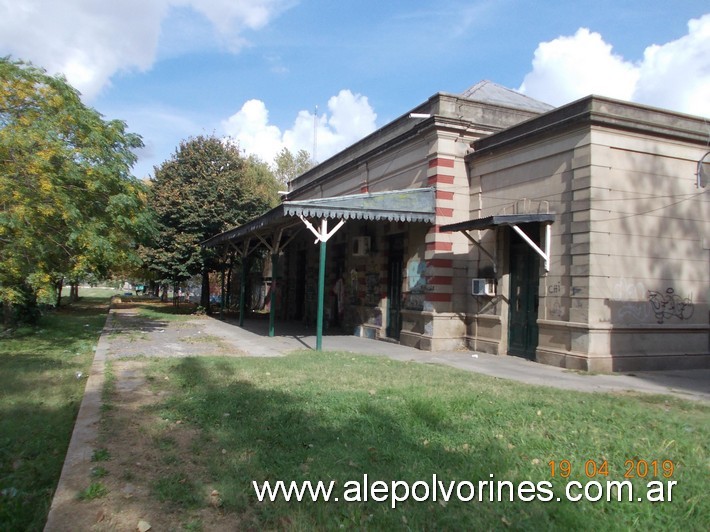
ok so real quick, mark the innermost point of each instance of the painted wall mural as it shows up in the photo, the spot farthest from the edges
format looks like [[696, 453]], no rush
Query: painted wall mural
[[416, 285]]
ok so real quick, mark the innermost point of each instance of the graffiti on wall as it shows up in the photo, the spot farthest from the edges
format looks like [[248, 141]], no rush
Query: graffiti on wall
[[668, 305], [628, 302], [556, 309], [554, 302]]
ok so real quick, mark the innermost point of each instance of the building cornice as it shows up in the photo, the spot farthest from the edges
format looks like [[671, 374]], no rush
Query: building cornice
[[447, 112], [602, 112]]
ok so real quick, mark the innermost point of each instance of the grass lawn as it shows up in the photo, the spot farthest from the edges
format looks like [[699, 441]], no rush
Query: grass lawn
[[214, 425], [40, 395], [339, 417]]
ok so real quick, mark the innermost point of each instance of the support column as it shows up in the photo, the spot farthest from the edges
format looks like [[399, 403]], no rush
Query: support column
[[274, 247], [322, 236], [439, 246], [321, 292], [242, 291], [222, 294], [272, 299]]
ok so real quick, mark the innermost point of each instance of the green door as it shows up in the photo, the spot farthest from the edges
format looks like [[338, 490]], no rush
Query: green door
[[524, 282]]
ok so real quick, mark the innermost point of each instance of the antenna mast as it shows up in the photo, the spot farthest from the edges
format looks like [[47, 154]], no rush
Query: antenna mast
[[315, 134]]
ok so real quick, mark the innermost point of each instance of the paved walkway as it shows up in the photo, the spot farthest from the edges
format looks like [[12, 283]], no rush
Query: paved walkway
[[254, 340]]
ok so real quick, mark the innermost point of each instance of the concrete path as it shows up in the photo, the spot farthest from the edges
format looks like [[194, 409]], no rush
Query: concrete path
[[686, 384]]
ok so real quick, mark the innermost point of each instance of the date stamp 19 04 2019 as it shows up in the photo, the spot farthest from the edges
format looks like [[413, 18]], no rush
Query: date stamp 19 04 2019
[[633, 468]]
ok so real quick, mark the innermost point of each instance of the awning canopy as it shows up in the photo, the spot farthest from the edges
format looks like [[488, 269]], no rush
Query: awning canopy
[[410, 205], [275, 230], [510, 220], [491, 222]]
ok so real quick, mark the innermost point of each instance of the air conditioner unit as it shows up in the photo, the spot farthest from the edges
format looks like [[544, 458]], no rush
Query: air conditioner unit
[[483, 287], [361, 246]]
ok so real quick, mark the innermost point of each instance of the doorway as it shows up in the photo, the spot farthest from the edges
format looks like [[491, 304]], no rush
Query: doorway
[[394, 286], [301, 279], [524, 297]]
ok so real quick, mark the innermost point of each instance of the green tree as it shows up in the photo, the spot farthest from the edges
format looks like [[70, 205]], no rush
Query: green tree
[[288, 166], [68, 204], [205, 188]]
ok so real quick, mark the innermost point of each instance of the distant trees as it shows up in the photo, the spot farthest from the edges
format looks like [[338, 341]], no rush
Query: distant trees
[[69, 206], [287, 166], [205, 188]]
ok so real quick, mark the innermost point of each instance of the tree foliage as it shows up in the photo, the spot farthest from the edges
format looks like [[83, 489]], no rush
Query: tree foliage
[[288, 166], [205, 188], [68, 204]]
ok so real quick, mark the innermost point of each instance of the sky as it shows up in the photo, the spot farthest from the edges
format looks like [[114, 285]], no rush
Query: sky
[[319, 75]]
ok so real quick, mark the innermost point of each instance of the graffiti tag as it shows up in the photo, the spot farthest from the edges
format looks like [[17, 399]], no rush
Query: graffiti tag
[[628, 298], [670, 305]]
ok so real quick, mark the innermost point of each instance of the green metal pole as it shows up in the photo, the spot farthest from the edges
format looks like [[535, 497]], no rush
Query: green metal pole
[[321, 295], [242, 291], [272, 304]]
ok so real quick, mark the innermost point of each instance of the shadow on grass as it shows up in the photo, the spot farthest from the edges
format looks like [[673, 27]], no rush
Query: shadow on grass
[[30, 374], [155, 306], [127, 324], [31, 461], [40, 395], [299, 433], [183, 309]]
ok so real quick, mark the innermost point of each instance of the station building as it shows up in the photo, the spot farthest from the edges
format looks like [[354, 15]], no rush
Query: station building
[[576, 236]]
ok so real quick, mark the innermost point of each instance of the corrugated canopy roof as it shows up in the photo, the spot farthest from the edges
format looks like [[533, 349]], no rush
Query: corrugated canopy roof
[[489, 222], [411, 205]]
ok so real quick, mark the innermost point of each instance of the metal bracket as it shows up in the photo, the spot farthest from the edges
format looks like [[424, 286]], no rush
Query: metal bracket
[[544, 254], [479, 246], [323, 235]]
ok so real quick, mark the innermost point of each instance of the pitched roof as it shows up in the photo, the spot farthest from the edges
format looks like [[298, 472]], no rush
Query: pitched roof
[[489, 92]]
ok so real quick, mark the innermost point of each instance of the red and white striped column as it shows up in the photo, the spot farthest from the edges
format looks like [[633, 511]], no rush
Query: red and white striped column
[[439, 246]]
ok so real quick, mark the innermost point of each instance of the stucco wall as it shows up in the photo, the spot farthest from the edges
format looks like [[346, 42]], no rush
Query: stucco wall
[[538, 177], [629, 278], [648, 255]]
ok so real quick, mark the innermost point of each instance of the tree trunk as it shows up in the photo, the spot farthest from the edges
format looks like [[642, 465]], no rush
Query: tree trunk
[[58, 286], [7, 320], [74, 292]]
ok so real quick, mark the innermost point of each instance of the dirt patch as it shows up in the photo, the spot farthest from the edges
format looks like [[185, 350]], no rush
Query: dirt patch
[[134, 335], [141, 472], [148, 459]]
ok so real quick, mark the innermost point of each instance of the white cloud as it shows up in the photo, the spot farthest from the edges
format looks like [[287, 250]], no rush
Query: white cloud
[[226, 14], [91, 41], [250, 128], [571, 67], [350, 118], [675, 75]]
